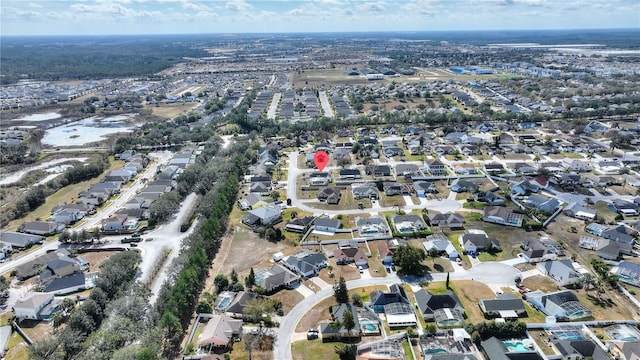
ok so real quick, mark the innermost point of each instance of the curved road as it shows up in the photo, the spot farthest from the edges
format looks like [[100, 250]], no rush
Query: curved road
[[489, 273]]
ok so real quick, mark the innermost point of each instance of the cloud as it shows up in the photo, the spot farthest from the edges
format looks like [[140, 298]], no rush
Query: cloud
[[195, 6], [378, 7], [34, 5], [238, 5], [330, 2]]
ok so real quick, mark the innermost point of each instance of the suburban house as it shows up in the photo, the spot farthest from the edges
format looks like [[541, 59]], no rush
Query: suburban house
[[422, 188], [219, 332], [409, 223], [524, 187], [613, 250], [349, 174], [20, 240], [36, 306], [395, 188], [534, 251], [319, 178], [330, 332], [490, 198], [237, 307], [474, 241], [387, 248], [300, 225], [620, 233], [435, 167], [445, 309], [263, 216], [580, 212], [326, 225], [494, 168], [580, 349], [69, 284], [115, 223], [348, 253], [442, 245], [408, 170], [362, 191], [378, 298], [43, 228], [548, 205], [561, 271], [453, 221], [627, 272], [505, 306], [305, 263], [502, 215], [330, 195], [462, 185], [563, 304], [496, 349], [277, 277], [253, 201], [374, 226], [68, 216], [381, 170]]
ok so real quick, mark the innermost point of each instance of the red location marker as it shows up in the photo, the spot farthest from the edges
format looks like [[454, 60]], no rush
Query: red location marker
[[321, 159]]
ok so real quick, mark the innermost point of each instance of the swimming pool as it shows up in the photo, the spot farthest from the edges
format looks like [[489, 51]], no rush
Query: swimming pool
[[516, 346], [435, 351], [370, 327], [568, 335]]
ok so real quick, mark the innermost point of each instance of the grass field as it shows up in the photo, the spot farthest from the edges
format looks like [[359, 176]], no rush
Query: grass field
[[313, 350], [170, 111]]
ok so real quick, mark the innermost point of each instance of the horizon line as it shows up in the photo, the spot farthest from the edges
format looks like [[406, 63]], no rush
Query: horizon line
[[325, 32]]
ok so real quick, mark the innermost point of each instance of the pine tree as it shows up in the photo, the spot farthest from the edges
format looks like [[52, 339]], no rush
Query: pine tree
[[250, 281], [340, 291]]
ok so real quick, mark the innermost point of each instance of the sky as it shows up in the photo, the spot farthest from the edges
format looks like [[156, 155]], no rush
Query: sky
[[110, 17]]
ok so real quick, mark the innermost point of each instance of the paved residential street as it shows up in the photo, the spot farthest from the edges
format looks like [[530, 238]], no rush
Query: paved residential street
[[490, 273]]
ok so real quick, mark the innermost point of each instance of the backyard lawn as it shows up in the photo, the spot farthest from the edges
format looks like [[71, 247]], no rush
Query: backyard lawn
[[313, 350]]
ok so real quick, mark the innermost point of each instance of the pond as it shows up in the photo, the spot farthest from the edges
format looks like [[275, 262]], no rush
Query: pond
[[39, 117], [49, 166], [87, 130]]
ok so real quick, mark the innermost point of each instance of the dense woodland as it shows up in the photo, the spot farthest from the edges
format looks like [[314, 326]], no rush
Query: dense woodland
[[90, 57]]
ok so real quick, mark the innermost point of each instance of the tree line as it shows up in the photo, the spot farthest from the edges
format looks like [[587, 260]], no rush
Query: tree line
[[102, 323]]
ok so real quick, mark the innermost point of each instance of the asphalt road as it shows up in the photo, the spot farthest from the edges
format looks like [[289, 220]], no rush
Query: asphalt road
[[491, 273]]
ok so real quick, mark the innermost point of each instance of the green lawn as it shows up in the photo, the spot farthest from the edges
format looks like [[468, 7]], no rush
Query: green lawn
[[313, 350], [603, 211]]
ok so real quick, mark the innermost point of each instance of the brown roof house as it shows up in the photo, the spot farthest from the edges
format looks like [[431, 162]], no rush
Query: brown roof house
[[219, 332], [349, 252]]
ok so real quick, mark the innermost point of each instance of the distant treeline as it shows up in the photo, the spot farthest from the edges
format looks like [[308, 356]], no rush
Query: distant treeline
[[61, 58]]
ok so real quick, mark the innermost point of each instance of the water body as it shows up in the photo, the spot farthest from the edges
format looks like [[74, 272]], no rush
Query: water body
[[39, 117], [87, 130], [16, 176]]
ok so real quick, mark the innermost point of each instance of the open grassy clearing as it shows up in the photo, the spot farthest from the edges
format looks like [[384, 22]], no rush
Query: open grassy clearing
[[349, 272], [541, 338], [313, 350], [170, 111], [239, 352], [96, 258], [470, 293], [289, 299]]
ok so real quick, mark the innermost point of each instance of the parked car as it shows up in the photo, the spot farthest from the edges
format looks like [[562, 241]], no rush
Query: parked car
[[312, 334]]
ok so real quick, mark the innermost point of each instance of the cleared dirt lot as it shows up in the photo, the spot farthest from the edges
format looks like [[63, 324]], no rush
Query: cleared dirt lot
[[96, 258]]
